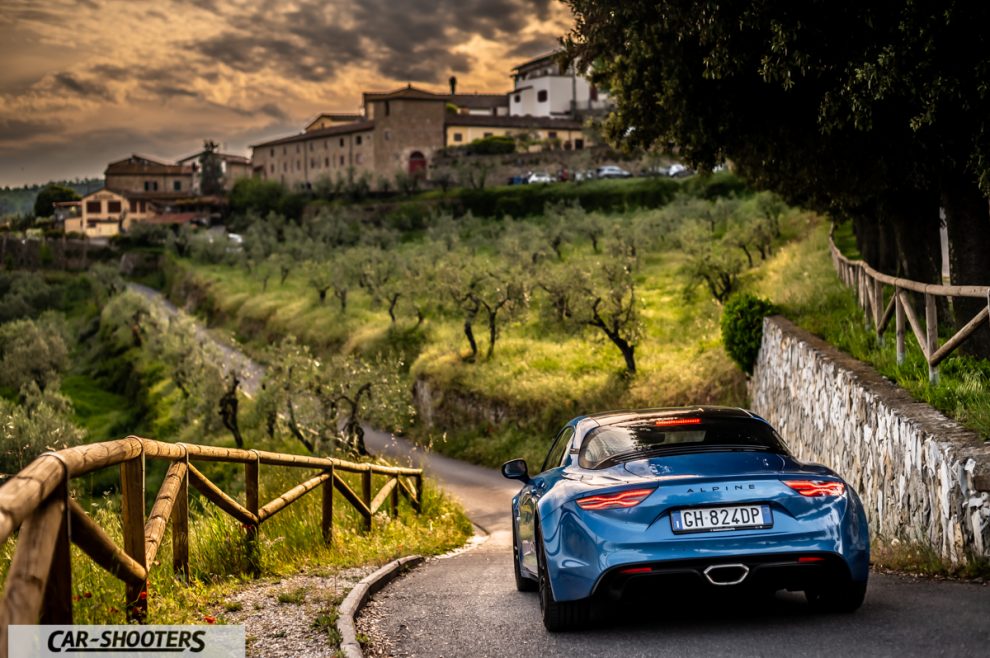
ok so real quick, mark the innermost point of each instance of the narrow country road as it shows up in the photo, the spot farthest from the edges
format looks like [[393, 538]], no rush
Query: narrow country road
[[233, 360], [466, 604]]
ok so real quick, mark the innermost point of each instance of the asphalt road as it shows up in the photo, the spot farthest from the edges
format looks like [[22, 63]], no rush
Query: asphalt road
[[466, 605]]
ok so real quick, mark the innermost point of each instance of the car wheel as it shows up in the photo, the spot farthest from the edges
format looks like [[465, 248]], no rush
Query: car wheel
[[844, 597], [523, 584], [558, 615]]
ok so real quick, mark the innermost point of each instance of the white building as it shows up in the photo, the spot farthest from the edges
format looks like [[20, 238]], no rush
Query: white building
[[543, 88]]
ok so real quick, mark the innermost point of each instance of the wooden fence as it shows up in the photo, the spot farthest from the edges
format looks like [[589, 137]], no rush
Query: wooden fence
[[872, 288], [36, 503]]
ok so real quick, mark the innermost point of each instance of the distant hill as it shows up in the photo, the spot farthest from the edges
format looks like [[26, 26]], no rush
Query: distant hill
[[20, 200]]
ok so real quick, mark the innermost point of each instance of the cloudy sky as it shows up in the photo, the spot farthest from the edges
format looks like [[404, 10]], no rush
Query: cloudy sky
[[85, 82]]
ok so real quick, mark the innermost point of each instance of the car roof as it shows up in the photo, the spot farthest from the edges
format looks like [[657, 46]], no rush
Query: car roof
[[704, 411]]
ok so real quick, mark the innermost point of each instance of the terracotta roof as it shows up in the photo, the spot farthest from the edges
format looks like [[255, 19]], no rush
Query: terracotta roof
[[346, 129], [512, 122], [536, 61], [335, 116], [153, 196], [227, 157], [480, 101], [139, 165], [172, 218], [407, 92]]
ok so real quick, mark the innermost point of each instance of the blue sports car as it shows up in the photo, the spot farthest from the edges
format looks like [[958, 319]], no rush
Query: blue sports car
[[631, 502]]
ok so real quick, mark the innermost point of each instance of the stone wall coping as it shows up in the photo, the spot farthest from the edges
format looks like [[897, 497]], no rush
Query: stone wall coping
[[967, 443]]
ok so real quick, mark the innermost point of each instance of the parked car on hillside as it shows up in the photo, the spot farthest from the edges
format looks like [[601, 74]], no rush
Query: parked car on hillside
[[541, 177], [653, 503], [611, 171]]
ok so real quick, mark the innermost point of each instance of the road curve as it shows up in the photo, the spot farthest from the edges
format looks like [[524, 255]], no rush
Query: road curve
[[466, 605]]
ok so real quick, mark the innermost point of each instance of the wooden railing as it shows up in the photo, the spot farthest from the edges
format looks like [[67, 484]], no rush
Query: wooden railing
[[36, 504], [871, 290]]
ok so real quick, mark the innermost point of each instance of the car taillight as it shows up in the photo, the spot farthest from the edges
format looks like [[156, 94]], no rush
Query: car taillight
[[816, 487], [617, 500]]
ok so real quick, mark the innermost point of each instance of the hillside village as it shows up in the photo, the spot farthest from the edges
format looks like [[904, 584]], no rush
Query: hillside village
[[397, 133]]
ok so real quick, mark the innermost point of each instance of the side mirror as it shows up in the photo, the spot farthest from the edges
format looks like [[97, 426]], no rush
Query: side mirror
[[516, 469]]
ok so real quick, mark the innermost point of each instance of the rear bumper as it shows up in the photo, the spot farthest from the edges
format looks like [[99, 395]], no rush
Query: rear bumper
[[749, 572], [581, 562]]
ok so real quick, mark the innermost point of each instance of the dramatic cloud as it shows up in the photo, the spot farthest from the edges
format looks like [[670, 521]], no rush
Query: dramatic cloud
[[108, 77]]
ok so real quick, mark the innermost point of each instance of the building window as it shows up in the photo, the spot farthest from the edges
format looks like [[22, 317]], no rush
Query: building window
[[341, 141], [458, 137], [177, 185], [147, 186], [341, 161], [298, 165], [94, 207], [271, 168], [134, 205], [285, 166], [311, 146], [388, 110], [517, 98], [357, 140], [326, 144], [113, 207], [313, 163], [272, 152], [541, 96], [284, 151], [552, 134], [489, 134], [326, 162], [579, 143], [593, 93]]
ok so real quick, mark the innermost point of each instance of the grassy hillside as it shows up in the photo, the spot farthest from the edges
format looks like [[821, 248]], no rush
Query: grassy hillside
[[542, 372]]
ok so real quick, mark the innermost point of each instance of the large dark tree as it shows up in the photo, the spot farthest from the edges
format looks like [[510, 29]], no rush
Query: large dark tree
[[49, 195], [872, 111]]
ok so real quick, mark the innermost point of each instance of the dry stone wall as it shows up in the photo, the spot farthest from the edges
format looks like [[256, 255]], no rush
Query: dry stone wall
[[922, 477]]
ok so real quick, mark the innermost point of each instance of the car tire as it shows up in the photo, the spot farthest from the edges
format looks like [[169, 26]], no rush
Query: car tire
[[843, 598], [558, 615], [523, 584]]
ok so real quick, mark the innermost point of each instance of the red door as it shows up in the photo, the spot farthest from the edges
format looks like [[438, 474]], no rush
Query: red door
[[417, 163]]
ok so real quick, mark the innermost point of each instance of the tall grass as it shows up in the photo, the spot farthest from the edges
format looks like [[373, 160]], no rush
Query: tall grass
[[803, 282]]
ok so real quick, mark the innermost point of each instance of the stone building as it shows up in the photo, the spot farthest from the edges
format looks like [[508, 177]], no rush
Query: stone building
[[139, 189], [232, 168], [399, 132], [545, 88]]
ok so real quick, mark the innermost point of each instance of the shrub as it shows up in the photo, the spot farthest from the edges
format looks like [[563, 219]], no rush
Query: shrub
[[742, 328]]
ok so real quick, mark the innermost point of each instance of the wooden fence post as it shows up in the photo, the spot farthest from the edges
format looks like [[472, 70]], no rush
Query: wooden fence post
[[180, 527], [132, 520], [58, 591], [878, 309], [899, 320], [395, 497], [418, 505], [327, 520], [366, 496], [931, 335], [251, 493]]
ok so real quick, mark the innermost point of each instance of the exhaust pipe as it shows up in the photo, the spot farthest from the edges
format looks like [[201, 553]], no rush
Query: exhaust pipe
[[726, 574]]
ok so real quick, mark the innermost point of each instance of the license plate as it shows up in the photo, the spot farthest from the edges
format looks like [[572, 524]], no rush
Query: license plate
[[707, 519]]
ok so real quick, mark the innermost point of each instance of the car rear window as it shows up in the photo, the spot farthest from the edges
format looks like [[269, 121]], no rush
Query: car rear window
[[613, 444]]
